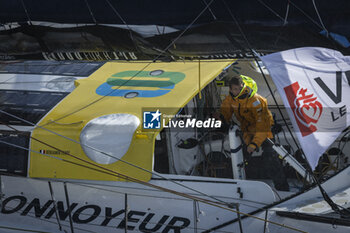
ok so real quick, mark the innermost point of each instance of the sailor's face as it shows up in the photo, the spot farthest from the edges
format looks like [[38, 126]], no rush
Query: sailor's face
[[236, 89]]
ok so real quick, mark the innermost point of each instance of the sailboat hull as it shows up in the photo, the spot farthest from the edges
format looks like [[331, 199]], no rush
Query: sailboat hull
[[100, 206]]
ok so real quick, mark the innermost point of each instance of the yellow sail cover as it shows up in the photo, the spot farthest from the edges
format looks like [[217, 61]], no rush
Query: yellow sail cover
[[117, 87]]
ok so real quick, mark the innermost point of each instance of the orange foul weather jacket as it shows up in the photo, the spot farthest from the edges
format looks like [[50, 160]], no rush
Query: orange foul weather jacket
[[253, 114]]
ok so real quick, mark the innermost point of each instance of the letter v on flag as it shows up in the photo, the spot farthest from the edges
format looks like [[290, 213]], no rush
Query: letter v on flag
[[314, 84]]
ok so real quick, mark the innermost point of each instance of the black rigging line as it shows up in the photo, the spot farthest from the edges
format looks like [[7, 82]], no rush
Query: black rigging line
[[122, 19], [333, 205], [117, 13], [320, 19], [211, 12], [90, 11], [128, 27], [270, 9], [26, 12], [88, 185], [334, 42], [285, 22], [304, 13], [290, 2], [286, 16], [345, 138]]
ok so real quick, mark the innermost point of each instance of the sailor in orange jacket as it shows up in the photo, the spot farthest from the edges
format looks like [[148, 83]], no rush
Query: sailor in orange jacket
[[251, 111], [256, 120]]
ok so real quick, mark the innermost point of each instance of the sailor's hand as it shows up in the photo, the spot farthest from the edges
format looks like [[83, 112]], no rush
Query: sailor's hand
[[250, 149]]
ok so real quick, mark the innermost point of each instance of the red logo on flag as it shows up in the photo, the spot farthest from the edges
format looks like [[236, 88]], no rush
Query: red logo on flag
[[306, 109]]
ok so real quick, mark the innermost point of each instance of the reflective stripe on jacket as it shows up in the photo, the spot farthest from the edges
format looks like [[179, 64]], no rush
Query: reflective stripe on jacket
[[252, 113]]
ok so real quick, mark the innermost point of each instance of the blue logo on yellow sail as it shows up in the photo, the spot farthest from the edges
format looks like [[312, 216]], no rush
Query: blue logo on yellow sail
[[140, 83]]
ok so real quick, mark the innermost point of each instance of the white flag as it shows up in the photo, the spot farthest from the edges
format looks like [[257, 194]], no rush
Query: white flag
[[314, 84]]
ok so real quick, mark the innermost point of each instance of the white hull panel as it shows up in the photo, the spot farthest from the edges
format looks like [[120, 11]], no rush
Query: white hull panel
[[100, 206], [27, 204]]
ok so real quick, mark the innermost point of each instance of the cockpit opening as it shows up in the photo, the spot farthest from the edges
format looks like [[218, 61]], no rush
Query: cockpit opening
[[219, 151]]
